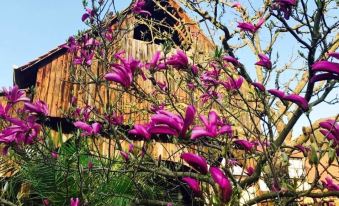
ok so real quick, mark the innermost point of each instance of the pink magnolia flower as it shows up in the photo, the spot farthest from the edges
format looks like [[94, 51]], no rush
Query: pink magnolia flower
[[210, 78], [299, 100], [71, 44], [54, 155], [285, 6], [130, 148], [138, 6], [233, 84], [141, 131], [193, 184], [162, 85], [210, 94], [20, 131], [264, 61], [88, 14], [14, 95], [259, 86], [4, 111], [87, 129], [330, 130], [196, 161], [213, 127], [155, 62], [330, 185], [324, 76], [123, 73], [45, 202], [115, 119], [236, 5], [38, 107], [326, 66], [178, 60], [334, 54], [249, 27], [85, 57], [249, 171], [244, 144], [164, 122], [223, 182], [278, 93], [90, 165], [232, 60], [303, 149], [124, 155], [75, 202]]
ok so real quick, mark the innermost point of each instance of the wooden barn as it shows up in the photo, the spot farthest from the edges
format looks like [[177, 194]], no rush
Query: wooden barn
[[49, 77]]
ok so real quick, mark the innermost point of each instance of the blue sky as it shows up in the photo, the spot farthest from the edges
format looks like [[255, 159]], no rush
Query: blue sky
[[32, 28]]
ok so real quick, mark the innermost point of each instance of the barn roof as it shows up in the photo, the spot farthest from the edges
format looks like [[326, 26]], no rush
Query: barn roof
[[25, 75]]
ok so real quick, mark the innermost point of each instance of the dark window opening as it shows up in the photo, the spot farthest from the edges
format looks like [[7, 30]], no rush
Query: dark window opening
[[161, 26]]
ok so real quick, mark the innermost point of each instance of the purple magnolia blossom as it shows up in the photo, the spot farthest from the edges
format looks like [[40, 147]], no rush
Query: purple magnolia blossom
[[193, 184], [85, 57], [164, 122], [326, 66], [210, 94], [124, 155], [141, 131], [54, 155], [38, 107], [45, 202], [115, 119], [87, 129], [155, 62], [233, 84], [232, 162], [334, 54], [4, 111], [259, 86], [330, 185], [232, 60], [285, 6], [20, 131], [196, 161], [249, 171], [213, 127], [211, 77], [88, 14], [71, 44], [14, 95], [249, 27], [244, 144], [223, 182], [178, 60], [278, 93], [162, 85], [303, 149], [264, 61], [324, 76], [75, 202], [123, 73], [236, 5], [299, 100], [90, 165], [130, 148], [137, 8], [330, 130]]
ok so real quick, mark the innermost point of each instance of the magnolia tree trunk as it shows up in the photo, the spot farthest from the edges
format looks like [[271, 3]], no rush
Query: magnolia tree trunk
[[168, 116]]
